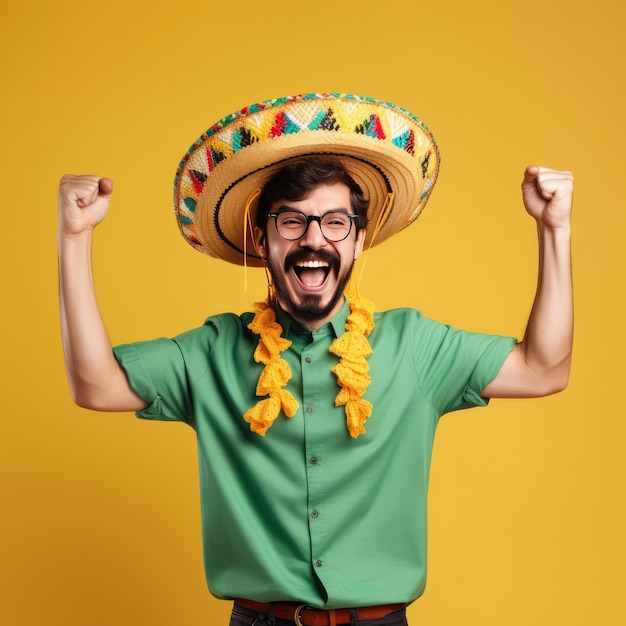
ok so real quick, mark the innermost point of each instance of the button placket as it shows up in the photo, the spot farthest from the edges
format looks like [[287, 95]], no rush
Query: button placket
[[318, 392]]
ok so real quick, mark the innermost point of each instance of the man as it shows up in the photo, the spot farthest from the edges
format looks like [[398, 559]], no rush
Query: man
[[314, 416]]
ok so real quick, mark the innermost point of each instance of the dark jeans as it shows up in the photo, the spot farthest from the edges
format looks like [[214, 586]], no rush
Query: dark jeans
[[244, 617]]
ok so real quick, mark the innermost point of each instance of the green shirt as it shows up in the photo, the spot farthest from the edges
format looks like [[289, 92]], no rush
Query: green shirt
[[306, 513]]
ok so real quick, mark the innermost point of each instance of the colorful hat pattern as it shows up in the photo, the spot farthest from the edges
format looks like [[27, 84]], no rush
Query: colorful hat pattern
[[388, 151]]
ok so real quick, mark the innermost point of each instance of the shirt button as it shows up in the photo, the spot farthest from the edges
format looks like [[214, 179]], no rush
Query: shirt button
[[310, 409], [318, 563], [314, 513], [307, 359], [313, 460]]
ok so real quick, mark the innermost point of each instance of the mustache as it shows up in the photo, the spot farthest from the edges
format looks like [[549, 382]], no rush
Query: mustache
[[307, 254]]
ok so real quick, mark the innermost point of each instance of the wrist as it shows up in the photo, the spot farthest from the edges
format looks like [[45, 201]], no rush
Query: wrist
[[74, 246], [68, 236], [558, 230]]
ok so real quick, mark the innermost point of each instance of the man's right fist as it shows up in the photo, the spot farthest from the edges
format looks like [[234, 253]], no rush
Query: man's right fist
[[83, 202]]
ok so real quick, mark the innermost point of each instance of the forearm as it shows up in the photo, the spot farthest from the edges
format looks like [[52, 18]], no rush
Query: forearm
[[96, 379], [547, 343]]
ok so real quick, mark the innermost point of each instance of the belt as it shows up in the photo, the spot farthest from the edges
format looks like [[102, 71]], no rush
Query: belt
[[304, 615]]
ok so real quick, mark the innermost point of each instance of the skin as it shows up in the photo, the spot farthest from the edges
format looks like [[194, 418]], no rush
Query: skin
[[538, 366]]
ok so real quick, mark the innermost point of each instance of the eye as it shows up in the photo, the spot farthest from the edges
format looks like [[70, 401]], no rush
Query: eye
[[291, 220], [336, 220]]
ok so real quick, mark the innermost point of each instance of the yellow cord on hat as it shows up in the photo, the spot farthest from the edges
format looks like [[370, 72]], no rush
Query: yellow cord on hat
[[382, 218], [352, 348], [247, 224]]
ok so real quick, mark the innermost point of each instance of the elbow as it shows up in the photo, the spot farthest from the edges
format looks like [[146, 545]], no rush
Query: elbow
[[552, 377], [106, 396], [558, 380], [83, 399], [558, 385], [86, 396]]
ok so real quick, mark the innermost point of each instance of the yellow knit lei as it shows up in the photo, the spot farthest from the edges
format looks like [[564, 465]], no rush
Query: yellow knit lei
[[352, 348]]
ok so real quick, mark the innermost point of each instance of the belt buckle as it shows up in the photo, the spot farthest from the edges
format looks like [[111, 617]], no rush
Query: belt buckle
[[296, 615]]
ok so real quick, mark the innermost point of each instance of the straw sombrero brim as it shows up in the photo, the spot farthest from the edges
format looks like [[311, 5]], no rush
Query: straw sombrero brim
[[386, 149]]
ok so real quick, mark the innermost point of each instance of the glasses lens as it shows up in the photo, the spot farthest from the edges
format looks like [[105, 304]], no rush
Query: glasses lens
[[291, 224], [336, 226]]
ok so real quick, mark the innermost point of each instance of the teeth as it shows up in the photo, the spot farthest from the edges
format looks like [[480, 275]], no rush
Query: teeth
[[313, 264]]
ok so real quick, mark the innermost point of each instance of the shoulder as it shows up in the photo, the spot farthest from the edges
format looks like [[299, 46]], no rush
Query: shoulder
[[413, 327], [406, 329], [394, 315], [228, 321], [216, 327], [405, 320]]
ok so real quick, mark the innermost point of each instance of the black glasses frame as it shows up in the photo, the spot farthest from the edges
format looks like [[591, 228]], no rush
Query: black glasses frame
[[313, 218]]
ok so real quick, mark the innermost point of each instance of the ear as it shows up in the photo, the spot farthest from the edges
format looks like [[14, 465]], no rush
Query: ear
[[259, 242], [359, 243]]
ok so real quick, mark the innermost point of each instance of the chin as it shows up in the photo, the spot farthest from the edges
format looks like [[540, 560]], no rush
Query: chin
[[312, 308]]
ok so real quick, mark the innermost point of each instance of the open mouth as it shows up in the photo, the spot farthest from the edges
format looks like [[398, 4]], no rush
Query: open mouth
[[312, 273]]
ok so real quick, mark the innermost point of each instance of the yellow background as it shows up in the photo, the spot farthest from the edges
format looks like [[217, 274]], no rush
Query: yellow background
[[99, 519]]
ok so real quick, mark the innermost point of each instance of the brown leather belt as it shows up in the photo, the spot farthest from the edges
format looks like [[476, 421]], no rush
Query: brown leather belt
[[304, 615]]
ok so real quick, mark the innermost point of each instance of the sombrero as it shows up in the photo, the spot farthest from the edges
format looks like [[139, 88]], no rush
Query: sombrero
[[388, 151]]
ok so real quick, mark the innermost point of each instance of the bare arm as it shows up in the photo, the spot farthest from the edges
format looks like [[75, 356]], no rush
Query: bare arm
[[96, 379], [540, 364]]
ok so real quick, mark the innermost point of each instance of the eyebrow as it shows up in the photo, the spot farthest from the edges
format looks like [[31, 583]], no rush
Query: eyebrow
[[285, 207]]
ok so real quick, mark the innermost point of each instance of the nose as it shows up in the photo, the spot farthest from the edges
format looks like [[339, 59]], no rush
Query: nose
[[313, 237]]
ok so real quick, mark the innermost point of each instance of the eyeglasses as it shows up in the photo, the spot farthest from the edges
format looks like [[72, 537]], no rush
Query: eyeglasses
[[293, 225]]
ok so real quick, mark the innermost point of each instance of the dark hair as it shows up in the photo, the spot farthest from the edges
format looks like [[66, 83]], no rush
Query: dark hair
[[297, 180]]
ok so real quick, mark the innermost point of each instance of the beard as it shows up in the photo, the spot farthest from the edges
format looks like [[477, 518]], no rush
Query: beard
[[310, 307]]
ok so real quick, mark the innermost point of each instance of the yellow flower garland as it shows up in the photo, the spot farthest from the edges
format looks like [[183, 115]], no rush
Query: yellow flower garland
[[352, 348], [276, 373]]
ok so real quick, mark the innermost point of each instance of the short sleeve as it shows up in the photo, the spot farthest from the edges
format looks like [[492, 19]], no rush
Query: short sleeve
[[454, 366], [156, 370]]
